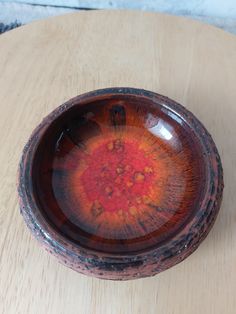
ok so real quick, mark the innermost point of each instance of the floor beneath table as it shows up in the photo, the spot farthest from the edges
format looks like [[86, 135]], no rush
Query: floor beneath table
[[220, 14]]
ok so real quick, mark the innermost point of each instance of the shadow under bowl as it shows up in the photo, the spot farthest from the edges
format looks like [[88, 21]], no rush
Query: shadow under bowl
[[120, 183]]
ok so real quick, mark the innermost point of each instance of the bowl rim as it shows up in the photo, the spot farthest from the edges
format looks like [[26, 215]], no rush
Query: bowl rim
[[183, 243]]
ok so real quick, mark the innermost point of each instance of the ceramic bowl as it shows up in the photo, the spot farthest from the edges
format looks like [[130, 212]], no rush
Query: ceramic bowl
[[120, 183]]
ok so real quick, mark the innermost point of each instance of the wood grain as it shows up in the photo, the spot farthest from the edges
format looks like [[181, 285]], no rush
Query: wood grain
[[47, 62]]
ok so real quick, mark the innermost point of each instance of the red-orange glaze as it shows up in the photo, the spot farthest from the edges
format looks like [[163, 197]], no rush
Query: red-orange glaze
[[119, 182]]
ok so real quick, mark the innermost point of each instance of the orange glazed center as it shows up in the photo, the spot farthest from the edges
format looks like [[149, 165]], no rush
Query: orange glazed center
[[115, 184], [117, 178]]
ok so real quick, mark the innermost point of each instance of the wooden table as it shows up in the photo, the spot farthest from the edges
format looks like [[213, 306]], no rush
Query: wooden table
[[47, 62]]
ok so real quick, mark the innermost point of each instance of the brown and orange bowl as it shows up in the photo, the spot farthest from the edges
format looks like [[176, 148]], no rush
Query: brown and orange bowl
[[120, 183]]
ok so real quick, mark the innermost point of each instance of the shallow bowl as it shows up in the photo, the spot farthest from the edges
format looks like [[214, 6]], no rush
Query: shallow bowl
[[120, 183]]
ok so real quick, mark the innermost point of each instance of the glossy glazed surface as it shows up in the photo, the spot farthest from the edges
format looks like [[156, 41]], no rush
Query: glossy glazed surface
[[120, 183], [119, 175]]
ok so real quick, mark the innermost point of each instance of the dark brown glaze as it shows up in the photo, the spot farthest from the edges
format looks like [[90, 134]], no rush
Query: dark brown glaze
[[120, 183]]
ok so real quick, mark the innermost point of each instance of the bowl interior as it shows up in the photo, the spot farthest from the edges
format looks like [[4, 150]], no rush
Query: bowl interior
[[119, 174]]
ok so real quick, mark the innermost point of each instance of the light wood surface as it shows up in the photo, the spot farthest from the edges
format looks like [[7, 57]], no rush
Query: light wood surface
[[46, 63]]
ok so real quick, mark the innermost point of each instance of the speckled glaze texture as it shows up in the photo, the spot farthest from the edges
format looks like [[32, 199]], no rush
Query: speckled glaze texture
[[125, 266]]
